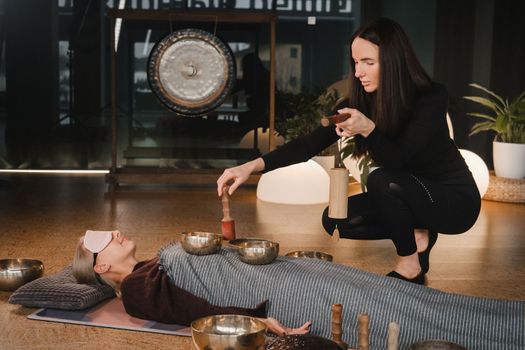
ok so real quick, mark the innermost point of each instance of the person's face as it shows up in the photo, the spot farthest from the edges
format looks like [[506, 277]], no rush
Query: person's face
[[366, 60], [119, 250]]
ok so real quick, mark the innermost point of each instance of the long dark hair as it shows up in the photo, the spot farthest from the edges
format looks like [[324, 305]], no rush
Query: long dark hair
[[401, 79]]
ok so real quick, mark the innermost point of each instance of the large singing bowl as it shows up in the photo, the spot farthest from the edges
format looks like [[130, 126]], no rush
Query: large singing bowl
[[17, 272], [228, 332], [191, 71]]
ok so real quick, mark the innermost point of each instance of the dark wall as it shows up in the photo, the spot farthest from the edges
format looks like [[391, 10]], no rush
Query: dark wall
[[508, 50], [31, 75], [85, 45], [453, 55]]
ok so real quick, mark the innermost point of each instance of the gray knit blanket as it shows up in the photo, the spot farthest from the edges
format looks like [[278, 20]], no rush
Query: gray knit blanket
[[300, 290]]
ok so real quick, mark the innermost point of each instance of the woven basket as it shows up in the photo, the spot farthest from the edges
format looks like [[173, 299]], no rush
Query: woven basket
[[502, 189]]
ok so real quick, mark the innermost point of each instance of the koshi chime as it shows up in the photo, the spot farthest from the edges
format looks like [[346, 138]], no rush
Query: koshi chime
[[338, 201]]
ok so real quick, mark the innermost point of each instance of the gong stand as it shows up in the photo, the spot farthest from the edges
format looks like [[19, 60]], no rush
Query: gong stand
[[180, 176]]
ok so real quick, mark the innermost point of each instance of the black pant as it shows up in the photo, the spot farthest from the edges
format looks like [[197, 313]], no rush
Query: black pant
[[396, 203]]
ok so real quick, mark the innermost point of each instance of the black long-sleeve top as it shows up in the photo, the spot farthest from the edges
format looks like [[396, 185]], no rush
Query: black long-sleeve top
[[423, 147]]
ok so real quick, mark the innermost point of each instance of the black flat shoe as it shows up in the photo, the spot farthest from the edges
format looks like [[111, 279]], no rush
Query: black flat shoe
[[419, 279], [424, 257]]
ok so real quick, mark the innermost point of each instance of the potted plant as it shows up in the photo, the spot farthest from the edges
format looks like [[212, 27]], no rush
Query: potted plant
[[507, 119], [359, 167], [299, 114]]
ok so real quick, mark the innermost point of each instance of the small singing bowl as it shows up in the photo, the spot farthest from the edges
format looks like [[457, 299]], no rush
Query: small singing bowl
[[310, 255], [239, 241], [258, 252], [17, 272], [228, 332], [436, 345], [201, 243]]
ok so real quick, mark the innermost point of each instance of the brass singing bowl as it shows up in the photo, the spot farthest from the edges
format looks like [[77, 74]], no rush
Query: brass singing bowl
[[436, 345], [201, 243], [228, 332], [258, 252], [311, 255], [16, 272], [239, 241]]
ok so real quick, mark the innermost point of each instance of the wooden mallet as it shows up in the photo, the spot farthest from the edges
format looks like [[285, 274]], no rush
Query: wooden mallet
[[363, 321], [337, 325], [227, 223], [393, 336], [334, 119]]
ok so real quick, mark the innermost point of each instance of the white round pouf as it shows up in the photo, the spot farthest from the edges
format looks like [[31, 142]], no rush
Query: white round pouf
[[479, 170], [302, 183]]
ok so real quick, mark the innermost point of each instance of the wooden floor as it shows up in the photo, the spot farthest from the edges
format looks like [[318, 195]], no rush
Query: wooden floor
[[42, 216]]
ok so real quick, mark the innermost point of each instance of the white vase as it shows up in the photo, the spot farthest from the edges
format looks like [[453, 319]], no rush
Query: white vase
[[509, 159]]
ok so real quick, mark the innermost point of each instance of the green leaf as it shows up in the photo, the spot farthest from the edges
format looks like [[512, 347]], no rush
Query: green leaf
[[502, 122], [488, 92], [485, 102], [509, 121], [480, 115], [347, 148], [484, 126]]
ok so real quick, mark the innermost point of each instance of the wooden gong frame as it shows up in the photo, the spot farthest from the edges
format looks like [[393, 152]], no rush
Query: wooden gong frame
[[180, 176]]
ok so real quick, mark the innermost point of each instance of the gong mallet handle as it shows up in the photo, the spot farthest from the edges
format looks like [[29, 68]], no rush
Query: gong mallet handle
[[393, 336], [363, 321], [227, 223], [337, 325], [334, 119]]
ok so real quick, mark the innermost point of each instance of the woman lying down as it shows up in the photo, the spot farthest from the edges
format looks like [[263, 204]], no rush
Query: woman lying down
[[177, 287]]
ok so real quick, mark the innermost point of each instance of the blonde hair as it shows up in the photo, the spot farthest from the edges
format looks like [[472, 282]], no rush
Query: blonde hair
[[83, 268]]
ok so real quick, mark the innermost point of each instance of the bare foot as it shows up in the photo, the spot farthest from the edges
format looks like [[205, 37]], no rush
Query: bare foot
[[421, 236], [278, 328], [408, 266]]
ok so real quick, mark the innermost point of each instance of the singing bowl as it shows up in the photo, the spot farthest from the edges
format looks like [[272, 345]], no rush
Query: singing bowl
[[17, 272], [436, 345], [239, 241], [201, 243], [311, 255], [258, 252], [302, 342], [228, 332]]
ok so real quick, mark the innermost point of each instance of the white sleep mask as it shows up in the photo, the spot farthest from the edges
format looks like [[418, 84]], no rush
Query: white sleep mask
[[96, 241]]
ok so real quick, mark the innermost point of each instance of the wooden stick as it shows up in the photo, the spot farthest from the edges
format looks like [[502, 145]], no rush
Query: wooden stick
[[337, 322], [393, 336], [363, 321], [227, 223], [338, 205], [334, 119], [226, 204]]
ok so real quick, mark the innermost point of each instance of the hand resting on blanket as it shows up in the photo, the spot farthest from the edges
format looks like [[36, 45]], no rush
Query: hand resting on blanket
[[276, 327]]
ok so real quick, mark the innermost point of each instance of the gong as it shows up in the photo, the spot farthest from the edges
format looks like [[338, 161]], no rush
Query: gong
[[191, 71]]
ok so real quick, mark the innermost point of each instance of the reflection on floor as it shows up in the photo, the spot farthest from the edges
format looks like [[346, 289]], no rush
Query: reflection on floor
[[41, 217]]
